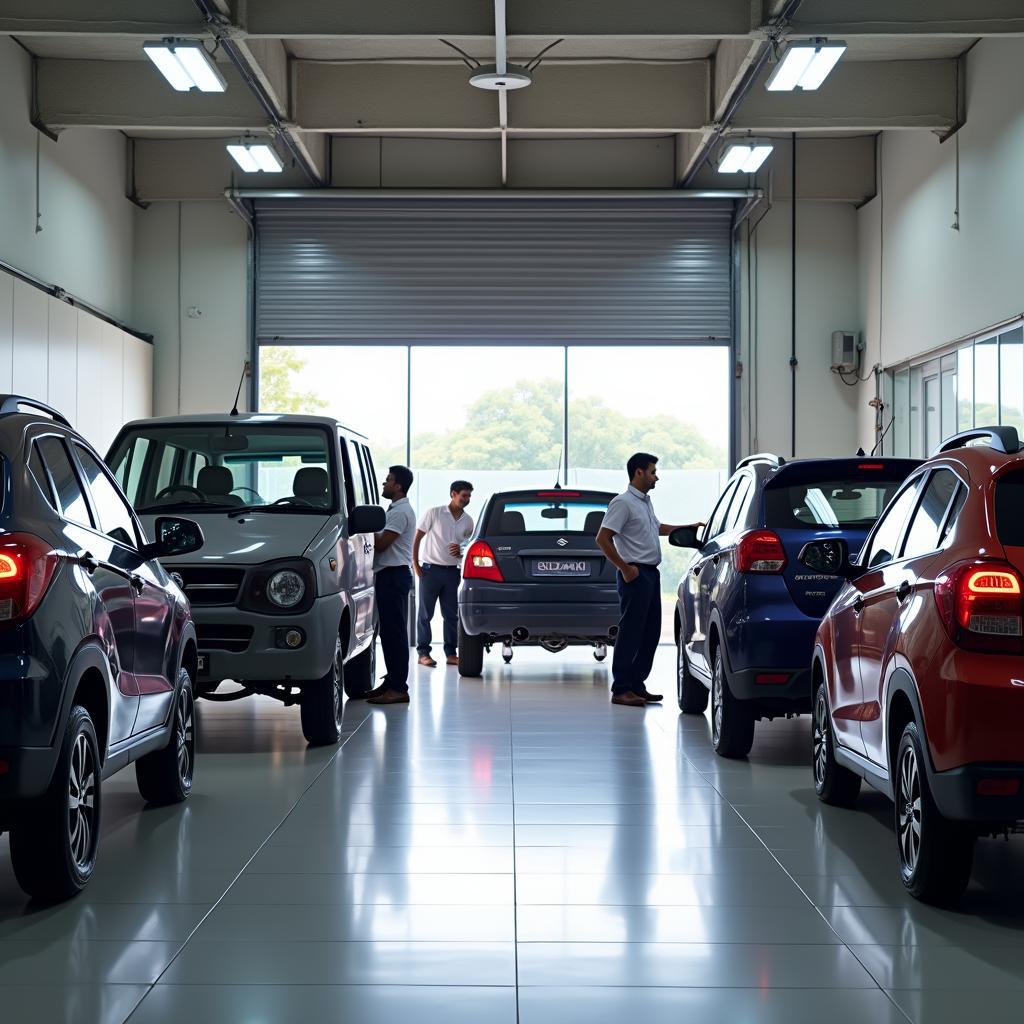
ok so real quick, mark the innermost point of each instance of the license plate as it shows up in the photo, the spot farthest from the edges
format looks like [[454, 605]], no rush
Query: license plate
[[203, 664], [561, 567]]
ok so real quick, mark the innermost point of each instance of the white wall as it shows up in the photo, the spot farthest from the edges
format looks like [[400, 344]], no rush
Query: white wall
[[922, 282], [192, 256], [85, 244]]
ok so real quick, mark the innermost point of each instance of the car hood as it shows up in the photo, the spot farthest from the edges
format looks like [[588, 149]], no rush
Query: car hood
[[248, 539]]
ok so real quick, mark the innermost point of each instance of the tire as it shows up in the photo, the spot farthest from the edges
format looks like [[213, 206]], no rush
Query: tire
[[321, 703], [53, 849], [691, 695], [361, 671], [165, 776], [471, 654], [732, 724], [833, 783], [935, 854]]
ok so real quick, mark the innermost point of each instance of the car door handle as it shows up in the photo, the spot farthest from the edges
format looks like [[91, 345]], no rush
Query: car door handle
[[716, 559], [88, 562], [137, 583], [858, 605], [903, 590]]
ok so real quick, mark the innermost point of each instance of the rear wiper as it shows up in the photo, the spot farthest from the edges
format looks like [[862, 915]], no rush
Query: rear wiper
[[306, 509]]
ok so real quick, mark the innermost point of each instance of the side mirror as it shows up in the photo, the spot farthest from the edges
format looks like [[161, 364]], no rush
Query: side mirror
[[174, 536], [684, 537], [366, 519], [827, 556]]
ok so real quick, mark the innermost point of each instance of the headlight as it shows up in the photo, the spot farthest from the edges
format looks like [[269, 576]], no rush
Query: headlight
[[286, 588]]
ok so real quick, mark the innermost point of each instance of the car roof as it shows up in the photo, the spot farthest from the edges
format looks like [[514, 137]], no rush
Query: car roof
[[253, 418], [980, 452]]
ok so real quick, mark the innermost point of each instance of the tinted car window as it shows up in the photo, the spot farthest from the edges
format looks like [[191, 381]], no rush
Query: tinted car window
[[70, 496], [115, 517], [717, 521], [1010, 509], [923, 535], [515, 515], [828, 503], [890, 526], [738, 506], [35, 464], [954, 514]]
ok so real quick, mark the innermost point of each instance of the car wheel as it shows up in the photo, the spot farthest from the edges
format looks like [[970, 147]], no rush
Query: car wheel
[[732, 724], [935, 854], [691, 695], [361, 671], [321, 701], [165, 776], [833, 783], [471, 654], [53, 849]]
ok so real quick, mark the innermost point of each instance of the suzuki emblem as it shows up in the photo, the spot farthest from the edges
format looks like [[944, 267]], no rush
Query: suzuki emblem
[[561, 542]]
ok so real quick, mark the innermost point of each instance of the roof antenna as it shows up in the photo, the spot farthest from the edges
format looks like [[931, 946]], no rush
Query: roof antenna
[[860, 453], [238, 393], [558, 469]]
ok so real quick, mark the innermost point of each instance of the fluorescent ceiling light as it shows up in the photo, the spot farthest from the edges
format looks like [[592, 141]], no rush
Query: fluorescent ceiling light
[[805, 65], [186, 64], [744, 157], [255, 156]]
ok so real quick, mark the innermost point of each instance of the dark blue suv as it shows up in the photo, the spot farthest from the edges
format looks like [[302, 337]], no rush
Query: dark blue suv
[[747, 609]]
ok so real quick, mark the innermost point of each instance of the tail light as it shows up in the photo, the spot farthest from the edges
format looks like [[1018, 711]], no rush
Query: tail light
[[980, 606], [481, 563], [27, 565], [760, 551]]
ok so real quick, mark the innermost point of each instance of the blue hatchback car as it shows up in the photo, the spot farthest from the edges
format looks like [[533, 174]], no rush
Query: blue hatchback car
[[747, 609]]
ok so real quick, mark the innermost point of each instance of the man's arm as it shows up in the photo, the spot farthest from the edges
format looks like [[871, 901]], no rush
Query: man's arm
[[604, 542], [664, 530], [420, 534], [383, 540]]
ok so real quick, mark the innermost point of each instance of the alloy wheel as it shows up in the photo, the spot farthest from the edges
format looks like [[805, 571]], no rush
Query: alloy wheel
[[185, 736], [82, 803], [716, 701], [820, 737], [908, 803]]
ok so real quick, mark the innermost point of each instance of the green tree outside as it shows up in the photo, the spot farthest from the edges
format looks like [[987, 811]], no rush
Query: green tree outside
[[278, 366]]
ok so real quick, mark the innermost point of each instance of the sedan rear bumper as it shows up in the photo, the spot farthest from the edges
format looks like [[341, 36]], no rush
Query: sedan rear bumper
[[585, 622]]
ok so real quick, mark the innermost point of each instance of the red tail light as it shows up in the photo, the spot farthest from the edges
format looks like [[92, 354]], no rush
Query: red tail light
[[980, 606], [27, 565], [481, 563], [760, 551]]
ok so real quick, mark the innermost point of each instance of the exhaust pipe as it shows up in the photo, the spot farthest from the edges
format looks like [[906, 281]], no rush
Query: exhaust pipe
[[520, 634]]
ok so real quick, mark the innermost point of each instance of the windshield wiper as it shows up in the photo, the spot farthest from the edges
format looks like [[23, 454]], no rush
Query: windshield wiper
[[199, 506], [305, 509]]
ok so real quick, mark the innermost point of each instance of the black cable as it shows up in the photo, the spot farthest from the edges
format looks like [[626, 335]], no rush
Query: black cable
[[884, 432], [536, 60], [471, 62]]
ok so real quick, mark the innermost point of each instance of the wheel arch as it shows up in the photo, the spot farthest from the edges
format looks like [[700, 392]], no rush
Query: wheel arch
[[903, 705]]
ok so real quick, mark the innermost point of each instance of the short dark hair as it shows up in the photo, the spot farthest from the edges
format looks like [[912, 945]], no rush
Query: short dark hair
[[460, 485], [403, 477], [640, 461]]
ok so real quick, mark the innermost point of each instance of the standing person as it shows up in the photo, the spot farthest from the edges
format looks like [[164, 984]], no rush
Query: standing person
[[440, 535], [629, 539], [392, 579]]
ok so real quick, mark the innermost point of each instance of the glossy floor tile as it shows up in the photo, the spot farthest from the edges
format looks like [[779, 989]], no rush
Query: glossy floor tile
[[506, 849]]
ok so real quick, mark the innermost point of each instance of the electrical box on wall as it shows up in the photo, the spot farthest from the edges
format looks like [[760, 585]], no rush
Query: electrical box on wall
[[845, 352]]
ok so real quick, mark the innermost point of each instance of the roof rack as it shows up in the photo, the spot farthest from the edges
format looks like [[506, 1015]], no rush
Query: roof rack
[[1002, 439], [772, 460], [13, 403]]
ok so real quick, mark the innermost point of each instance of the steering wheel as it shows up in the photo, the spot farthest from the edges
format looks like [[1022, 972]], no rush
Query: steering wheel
[[242, 487], [187, 488], [294, 500]]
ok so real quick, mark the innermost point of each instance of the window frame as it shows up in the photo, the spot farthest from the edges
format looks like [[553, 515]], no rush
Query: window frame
[[90, 498], [943, 533], [723, 502], [62, 440], [912, 482]]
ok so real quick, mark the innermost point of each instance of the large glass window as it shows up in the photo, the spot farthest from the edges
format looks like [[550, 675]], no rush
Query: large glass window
[[900, 426], [1011, 378], [986, 382], [965, 388]]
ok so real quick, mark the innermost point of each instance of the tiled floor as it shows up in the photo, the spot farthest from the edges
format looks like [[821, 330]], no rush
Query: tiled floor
[[506, 849]]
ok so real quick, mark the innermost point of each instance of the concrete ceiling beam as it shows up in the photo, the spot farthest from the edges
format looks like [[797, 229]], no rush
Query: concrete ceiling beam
[[143, 18], [908, 18]]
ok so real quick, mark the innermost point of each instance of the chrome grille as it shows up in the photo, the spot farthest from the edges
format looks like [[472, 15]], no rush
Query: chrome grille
[[210, 585]]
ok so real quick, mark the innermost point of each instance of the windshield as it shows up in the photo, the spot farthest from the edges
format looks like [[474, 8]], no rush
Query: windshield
[[828, 503], [230, 467], [565, 514]]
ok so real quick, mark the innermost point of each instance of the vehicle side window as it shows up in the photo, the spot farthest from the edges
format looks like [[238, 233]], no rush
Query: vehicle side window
[[372, 475], [115, 516], [738, 507], [923, 535], [887, 534], [35, 464], [350, 474], [196, 462], [362, 487], [717, 520], [959, 500], [71, 502]]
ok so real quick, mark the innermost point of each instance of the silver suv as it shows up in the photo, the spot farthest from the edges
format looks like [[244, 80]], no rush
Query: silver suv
[[282, 591]]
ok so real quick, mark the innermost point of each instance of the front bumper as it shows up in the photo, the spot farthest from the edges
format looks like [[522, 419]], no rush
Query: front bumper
[[262, 660], [957, 797]]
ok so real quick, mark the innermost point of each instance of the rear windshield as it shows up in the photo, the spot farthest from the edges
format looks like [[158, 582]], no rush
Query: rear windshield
[[189, 467], [515, 515], [1010, 509], [828, 503]]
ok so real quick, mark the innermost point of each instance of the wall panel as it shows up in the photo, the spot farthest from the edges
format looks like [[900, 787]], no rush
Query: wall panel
[[6, 331], [61, 381], [90, 375], [31, 331]]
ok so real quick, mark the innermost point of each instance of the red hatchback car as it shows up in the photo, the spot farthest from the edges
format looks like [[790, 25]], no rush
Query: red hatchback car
[[919, 662]]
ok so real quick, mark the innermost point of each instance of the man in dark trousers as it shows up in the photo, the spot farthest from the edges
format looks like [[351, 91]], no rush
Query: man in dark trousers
[[629, 539], [392, 578]]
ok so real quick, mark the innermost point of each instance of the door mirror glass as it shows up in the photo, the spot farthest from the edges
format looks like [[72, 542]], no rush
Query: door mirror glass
[[366, 519], [174, 536], [684, 537], [826, 556]]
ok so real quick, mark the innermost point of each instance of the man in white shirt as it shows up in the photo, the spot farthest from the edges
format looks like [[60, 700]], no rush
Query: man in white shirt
[[629, 538], [436, 556], [392, 580]]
